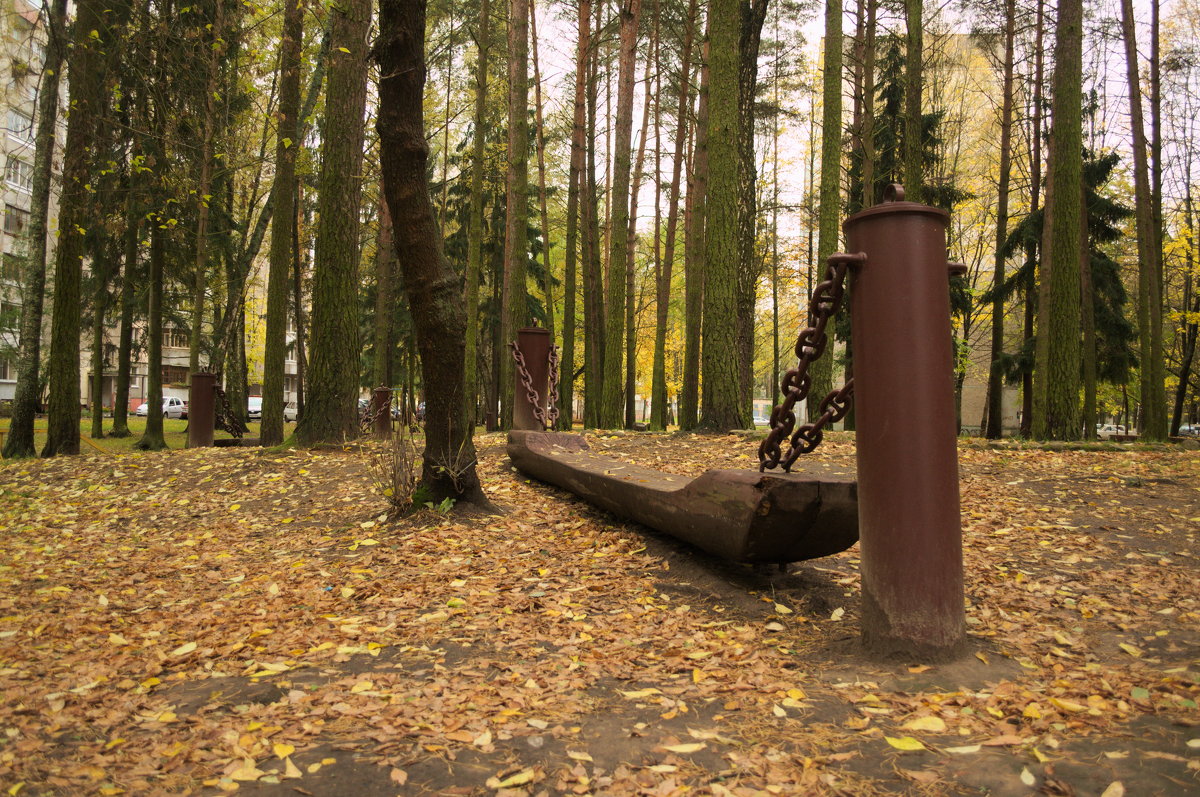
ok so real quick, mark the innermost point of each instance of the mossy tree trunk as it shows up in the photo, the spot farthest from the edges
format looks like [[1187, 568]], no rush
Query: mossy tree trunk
[[475, 232], [331, 411], [19, 440]]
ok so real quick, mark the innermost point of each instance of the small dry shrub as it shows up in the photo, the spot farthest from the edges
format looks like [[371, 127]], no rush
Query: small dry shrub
[[395, 465]]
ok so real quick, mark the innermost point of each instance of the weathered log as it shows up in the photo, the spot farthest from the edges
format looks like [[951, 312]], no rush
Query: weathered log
[[742, 516]]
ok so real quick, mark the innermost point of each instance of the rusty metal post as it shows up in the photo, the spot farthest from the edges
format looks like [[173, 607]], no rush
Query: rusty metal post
[[909, 523], [202, 414], [381, 412], [534, 344]]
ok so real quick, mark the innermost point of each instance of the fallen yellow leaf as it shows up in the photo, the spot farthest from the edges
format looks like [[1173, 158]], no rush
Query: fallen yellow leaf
[[690, 747], [282, 750], [933, 724], [906, 743]]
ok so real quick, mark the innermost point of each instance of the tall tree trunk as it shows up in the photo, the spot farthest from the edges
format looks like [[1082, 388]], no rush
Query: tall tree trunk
[[548, 282], [566, 394], [1056, 389], [593, 284], [867, 133], [829, 211], [721, 397], [287, 146], [631, 245], [658, 393], [152, 439], [475, 232], [385, 296], [995, 387], [1153, 395], [215, 47], [749, 265], [913, 122], [129, 281], [514, 300], [434, 290], [694, 257], [1033, 246], [1191, 302], [87, 77], [1087, 306], [19, 440], [331, 414], [299, 268], [615, 293]]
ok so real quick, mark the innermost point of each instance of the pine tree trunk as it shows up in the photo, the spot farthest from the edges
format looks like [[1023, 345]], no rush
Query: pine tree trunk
[[1191, 302], [1056, 395], [433, 288], [152, 439], [631, 247], [868, 121], [913, 120], [1087, 307], [829, 212], [694, 255], [615, 293], [1153, 395], [19, 440], [749, 265], [659, 399], [514, 301], [475, 232], [331, 412], [1032, 247], [995, 386], [287, 147], [566, 395], [721, 407], [129, 281], [593, 274], [87, 77], [540, 140], [385, 296]]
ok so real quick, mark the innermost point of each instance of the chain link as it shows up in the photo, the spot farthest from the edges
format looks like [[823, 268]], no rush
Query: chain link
[[796, 383], [546, 417]]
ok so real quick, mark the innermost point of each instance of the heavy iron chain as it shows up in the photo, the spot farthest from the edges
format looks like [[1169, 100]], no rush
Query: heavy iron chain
[[810, 345], [547, 418], [224, 415]]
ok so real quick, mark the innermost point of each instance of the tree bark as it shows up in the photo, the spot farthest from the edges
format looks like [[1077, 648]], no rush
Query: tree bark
[[995, 386], [593, 282], [566, 393], [829, 212], [287, 147], [1032, 247], [631, 244], [1153, 395], [615, 293], [540, 141], [694, 257], [87, 75], [475, 232], [659, 399], [434, 290], [331, 412], [913, 122], [152, 439], [385, 296], [129, 281], [19, 440], [1056, 394], [514, 300]]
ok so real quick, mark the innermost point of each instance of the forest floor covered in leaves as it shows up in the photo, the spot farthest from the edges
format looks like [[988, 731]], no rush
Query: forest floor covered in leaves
[[211, 620]]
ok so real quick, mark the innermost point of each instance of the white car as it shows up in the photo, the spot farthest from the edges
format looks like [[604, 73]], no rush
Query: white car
[[171, 408], [1106, 431], [254, 409]]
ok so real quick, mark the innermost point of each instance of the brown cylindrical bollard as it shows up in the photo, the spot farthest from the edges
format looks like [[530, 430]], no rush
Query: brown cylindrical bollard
[[381, 412], [202, 410], [909, 525], [534, 344]]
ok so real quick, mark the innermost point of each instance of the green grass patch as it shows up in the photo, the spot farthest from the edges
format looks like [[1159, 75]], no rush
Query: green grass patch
[[174, 432]]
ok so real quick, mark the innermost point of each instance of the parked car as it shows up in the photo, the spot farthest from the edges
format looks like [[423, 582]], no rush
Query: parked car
[[1107, 431], [171, 408], [254, 410], [1189, 430]]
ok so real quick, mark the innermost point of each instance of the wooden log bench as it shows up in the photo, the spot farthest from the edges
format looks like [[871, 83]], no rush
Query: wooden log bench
[[739, 515]]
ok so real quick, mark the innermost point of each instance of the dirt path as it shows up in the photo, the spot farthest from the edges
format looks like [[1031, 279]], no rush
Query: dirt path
[[208, 621]]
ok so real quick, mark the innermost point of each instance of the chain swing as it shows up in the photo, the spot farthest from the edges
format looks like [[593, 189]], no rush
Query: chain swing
[[810, 345]]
